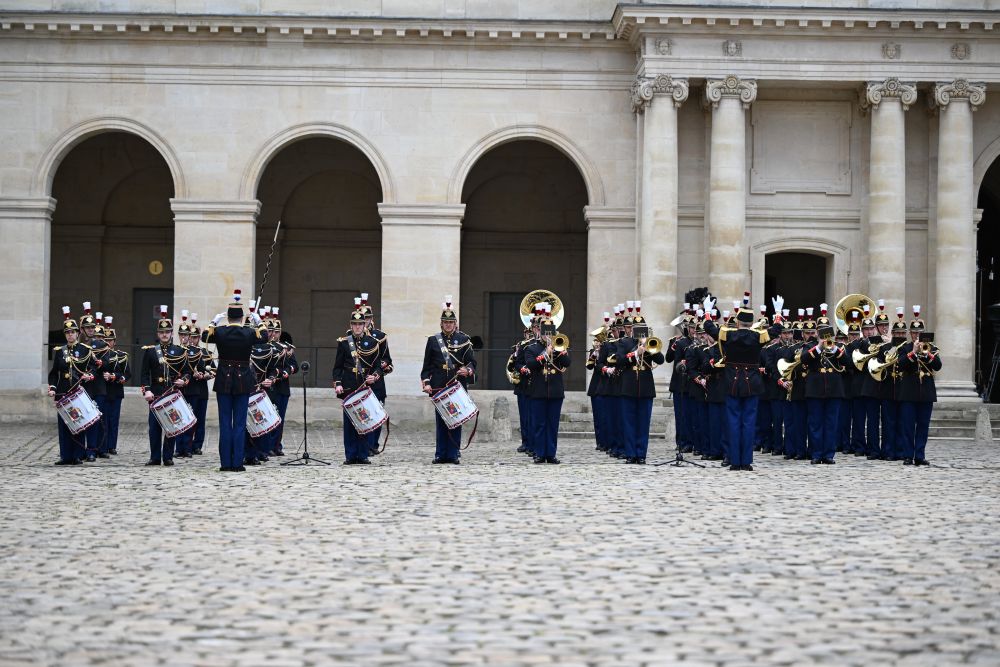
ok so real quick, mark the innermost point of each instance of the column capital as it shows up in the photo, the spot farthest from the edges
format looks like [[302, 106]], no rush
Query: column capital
[[214, 210], [874, 91], [973, 92], [27, 207], [645, 88], [745, 90]]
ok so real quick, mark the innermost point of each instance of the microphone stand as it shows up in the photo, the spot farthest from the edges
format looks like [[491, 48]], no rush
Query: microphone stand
[[305, 459]]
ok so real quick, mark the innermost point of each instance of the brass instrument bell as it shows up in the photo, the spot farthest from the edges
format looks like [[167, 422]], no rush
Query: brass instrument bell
[[560, 342], [851, 302]]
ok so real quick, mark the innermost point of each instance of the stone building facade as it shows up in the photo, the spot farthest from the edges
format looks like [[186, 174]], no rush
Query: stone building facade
[[417, 148]]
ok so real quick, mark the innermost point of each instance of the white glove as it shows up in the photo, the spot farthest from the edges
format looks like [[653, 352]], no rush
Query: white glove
[[255, 318], [778, 302], [218, 318], [708, 304]]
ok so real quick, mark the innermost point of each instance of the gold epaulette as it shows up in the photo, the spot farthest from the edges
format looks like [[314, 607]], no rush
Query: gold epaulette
[[148, 347], [57, 348], [342, 339], [764, 337]]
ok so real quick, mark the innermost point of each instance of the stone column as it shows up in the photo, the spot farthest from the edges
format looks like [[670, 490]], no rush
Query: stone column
[[727, 249], [26, 230], [214, 253], [421, 263], [954, 307], [658, 99], [611, 234], [887, 189]]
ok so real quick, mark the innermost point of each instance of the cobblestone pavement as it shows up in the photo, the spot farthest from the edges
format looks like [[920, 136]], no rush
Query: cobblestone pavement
[[496, 561]]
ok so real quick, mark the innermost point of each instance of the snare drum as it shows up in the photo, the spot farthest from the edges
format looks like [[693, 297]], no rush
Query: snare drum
[[174, 414], [365, 410], [262, 416], [454, 405], [78, 410]]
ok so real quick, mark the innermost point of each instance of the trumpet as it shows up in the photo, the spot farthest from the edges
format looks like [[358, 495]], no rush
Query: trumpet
[[925, 348], [560, 343], [828, 345], [653, 344]]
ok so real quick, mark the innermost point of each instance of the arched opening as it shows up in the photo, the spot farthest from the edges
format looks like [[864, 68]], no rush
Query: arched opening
[[800, 277], [523, 229], [326, 193], [113, 234], [988, 285]]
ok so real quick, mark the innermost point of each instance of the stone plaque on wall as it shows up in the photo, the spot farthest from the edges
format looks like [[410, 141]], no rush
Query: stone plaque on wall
[[801, 147]]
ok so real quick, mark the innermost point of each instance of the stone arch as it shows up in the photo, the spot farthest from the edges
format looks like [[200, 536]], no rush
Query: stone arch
[[255, 169], [590, 174], [986, 158], [838, 272], [68, 140]]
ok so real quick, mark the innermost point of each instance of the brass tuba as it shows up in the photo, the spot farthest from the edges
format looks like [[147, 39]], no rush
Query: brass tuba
[[842, 311], [527, 308]]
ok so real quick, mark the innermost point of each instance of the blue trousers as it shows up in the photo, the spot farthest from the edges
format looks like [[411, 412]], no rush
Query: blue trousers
[[638, 414], [70, 446], [762, 436], [873, 409], [797, 445], [545, 421], [779, 408], [200, 407], [232, 428], [160, 448], [522, 419], [281, 403], [355, 445], [718, 444], [914, 423], [741, 421], [824, 425], [859, 407], [112, 413], [595, 409], [698, 415], [844, 430], [95, 435], [447, 442], [890, 429], [679, 431]]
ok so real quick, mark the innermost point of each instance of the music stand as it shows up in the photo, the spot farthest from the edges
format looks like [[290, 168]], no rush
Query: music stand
[[305, 459]]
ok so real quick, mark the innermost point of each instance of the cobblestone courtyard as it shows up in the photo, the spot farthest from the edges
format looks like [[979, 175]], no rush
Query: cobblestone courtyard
[[496, 561]]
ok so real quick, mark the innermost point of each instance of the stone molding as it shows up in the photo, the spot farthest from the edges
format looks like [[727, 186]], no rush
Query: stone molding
[[422, 215], [314, 28], [630, 20], [875, 91], [960, 89], [609, 218], [745, 90], [645, 88], [214, 210], [27, 208]]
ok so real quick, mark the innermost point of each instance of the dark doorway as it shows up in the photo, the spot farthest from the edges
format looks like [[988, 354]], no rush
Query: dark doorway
[[988, 282], [145, 314], [800, 277], [504, 325], [524, 230]]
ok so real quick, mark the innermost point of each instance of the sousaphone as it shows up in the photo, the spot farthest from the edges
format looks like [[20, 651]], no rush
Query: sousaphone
[[842, 312], [527, 308]]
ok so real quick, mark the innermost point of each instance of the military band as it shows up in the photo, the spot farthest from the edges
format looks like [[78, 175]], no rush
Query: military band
[[850, 382]]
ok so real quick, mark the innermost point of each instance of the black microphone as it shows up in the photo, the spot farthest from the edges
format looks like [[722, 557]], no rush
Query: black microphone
[[304, 367]]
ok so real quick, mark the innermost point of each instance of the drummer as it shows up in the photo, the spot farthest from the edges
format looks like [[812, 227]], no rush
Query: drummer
[[355, 367], [448, 357], [72, 364], [164, 366]]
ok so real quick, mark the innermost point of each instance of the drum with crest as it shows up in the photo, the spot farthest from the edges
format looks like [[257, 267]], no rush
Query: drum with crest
[[78, 410], [262, 415], [173, 413], [364, 410], [454, 405]]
